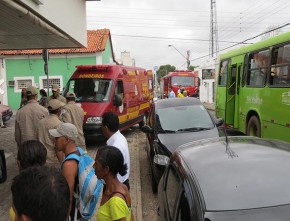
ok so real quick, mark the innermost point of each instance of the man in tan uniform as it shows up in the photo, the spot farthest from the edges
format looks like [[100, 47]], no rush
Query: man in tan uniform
[[28, 117], [74, 114], [54, 158], [56, 95]]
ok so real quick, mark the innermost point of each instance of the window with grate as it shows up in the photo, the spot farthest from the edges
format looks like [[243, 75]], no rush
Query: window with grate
[[257, 68], [24, 83], [52, 81], [280, 67]]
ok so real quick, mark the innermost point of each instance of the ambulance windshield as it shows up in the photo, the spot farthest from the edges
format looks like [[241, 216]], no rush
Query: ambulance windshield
[[90, 89]]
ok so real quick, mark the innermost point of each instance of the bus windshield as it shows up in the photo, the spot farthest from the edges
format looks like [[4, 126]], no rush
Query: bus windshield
[[90, 89], [183, 80]]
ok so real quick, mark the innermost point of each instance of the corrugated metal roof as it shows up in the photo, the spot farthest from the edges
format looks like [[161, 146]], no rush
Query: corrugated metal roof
[[96, 42]]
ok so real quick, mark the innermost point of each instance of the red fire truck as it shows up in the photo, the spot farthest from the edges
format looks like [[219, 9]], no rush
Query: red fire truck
[[189, 80]]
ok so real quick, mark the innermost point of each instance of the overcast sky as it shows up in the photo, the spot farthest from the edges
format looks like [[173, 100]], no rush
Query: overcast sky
[[146, 28]]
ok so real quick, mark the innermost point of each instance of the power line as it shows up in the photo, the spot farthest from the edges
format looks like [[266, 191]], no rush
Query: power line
[[159, 26], [184, 39], [248, 24], [253, 8], [274, 29]]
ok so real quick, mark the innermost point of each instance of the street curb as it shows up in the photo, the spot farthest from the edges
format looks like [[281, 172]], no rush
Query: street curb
[[139, 213]]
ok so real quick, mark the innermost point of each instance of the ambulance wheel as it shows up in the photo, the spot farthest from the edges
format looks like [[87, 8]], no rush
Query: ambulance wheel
[[142, 123], [254, 127]]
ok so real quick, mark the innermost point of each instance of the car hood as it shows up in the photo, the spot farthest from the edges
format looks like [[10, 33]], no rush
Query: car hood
[[173, 140]]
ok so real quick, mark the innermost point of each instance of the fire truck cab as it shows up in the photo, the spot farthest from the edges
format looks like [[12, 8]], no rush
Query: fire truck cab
[[189, 80]]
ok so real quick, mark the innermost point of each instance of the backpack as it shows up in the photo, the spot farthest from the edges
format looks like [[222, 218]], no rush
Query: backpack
[[89, 186]]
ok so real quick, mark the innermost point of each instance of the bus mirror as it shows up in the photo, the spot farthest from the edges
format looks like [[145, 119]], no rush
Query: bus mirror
[[117, 100]]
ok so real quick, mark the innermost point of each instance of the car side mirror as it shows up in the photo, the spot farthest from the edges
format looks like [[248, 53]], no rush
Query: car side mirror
[[219, 122], [147, 129], [117, 101]]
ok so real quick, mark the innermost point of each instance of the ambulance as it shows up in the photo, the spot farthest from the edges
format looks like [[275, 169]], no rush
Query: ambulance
[[126, 91]]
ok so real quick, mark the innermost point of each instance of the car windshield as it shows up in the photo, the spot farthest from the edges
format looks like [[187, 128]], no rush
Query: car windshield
[[183, 119], [90, 89]]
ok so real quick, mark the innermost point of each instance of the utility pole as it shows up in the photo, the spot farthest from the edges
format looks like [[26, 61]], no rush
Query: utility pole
[[45, 57], [213, 43], [186, 57]]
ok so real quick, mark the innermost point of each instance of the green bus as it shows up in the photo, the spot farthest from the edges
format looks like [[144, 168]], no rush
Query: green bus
[[253, 88]]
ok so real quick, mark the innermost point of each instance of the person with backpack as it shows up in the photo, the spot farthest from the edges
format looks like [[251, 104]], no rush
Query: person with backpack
[[65, 135], [77, 168], [116, 199]]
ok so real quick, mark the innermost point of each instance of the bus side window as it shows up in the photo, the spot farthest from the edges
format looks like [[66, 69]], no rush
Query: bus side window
[[232, 89], [280, 66], [257, 68], [273, 71], [223, 74]]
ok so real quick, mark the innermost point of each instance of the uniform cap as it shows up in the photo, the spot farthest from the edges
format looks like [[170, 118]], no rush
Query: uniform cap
[[55, 87], [65, 129], [55, 104], [70, 94], [31, 90]]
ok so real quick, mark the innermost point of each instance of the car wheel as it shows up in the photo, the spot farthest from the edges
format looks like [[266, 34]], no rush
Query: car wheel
[[254, 127], [154, 184]]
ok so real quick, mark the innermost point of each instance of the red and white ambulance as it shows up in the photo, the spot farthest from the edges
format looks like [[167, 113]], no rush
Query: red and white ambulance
[[126, 91]]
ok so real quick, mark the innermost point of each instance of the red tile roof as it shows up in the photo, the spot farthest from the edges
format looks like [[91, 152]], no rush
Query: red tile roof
[[96, 42]]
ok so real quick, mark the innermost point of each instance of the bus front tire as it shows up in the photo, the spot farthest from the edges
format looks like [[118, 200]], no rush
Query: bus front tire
[[254, 127]]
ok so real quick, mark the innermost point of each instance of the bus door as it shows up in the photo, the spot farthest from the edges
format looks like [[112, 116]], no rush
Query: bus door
[[231, 92]]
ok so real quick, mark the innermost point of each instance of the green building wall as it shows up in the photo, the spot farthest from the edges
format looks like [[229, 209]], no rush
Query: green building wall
[[34, 67], [58, 65], [107, 54]]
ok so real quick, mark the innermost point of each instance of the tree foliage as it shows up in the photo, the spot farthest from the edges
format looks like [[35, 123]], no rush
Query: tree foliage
[[164, 70], [191, 68]]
